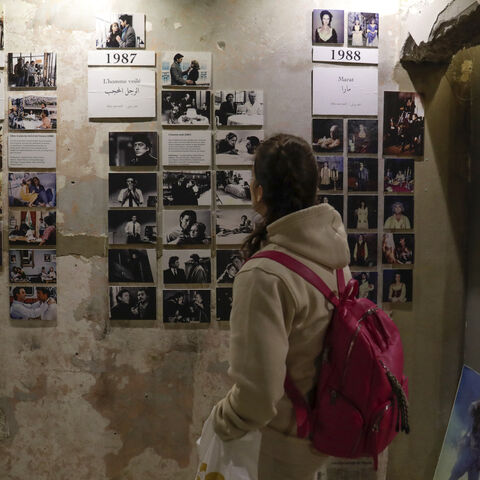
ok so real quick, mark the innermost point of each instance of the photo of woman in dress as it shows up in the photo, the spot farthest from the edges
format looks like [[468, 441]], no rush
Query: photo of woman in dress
[[362, 212], [327, 27], [112, 36], [372, 32], [397, 286], [367, 284], [363, 29]]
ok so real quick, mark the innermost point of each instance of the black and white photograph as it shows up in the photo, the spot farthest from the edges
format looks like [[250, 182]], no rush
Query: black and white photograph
[[32, 112], [120, 30], [133, 303], [233, 187], [33, 303], [330, 173], [187, 188], [399, 175], [403, 124], [132, 190], [229, 263], [32, 70], [327, 134], [186, 108], [2, 26], [132, 265], [362, 136], [186, 306], [133, 149], [239, 107], [224, 303], [363, 29], [234, 225], [367, 285], [186, 266], [336, 201], [397, 286], [362, 212], [132, 226], [186, 69], [237, 147], [327, 27], [32, 227], [363, 249], [398, 248], [32, 266], [187, 227], [32, 189], [398, 212], [362, 175]]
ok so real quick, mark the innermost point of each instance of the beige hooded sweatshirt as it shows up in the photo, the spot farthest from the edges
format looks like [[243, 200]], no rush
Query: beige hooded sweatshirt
[[278, 323]]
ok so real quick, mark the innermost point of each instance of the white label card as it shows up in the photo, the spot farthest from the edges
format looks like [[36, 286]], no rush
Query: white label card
[[185, 147], [32, 150], [345, 55], [121, 58], [2, 60]]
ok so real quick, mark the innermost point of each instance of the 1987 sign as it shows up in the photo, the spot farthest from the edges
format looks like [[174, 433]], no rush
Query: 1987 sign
[[119, 58], [346, 55]]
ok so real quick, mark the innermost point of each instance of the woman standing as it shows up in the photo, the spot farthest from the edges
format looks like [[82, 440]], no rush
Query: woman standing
[[362, 215]]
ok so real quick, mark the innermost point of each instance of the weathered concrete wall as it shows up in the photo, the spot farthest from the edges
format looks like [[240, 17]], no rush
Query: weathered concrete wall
[[84, 400]]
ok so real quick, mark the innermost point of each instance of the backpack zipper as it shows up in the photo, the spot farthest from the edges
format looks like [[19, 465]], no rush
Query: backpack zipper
[[379, 417]]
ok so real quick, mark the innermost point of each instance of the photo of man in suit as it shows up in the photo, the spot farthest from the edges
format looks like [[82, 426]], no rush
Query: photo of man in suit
[[174, 274]]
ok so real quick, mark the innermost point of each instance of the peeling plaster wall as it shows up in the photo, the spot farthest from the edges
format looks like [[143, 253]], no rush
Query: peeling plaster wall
[[85, 400]]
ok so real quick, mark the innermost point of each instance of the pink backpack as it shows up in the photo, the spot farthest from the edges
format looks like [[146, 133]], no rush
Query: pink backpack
[[361, 393]]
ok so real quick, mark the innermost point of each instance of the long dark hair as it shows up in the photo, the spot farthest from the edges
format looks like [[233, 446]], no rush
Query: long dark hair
[[285, 167]]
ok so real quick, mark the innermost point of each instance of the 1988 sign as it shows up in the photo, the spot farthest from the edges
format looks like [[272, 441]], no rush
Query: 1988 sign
[[349, 55]]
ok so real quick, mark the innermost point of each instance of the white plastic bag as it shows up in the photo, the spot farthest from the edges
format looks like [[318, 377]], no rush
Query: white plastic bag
[[233, 460]]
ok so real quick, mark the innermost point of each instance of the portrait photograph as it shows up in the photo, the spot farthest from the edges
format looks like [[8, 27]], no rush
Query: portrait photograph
[[132, 303], [229, 263], [362, 212], [398, 212], [186, 108], [237, 147], [32, 227], [186, 306], [132, 190], [239, 107], [327, 135], [133, 149], [336, 201], [234, 225], [120, 30], [33, 303], [363, 29], [224, 303], [330, 173], [363, 249], [32, 70], [187, 188], [399, 175], [403, 124], [233, 187], [32, 112], [32, 266], [398, 248], [186, 69], [362, 175], [367, 285], [327, 27], [132, 226], [2, 26], [32, 189], [132, 265], [362, 136], [186, 266], [397, 286], [187, 227]]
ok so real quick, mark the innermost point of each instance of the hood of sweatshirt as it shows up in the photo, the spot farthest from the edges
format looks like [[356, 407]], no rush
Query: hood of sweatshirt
[[316, 233]]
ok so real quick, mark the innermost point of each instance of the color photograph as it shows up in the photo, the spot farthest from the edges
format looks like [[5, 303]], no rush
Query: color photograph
[[327, 27], [398, 248], [362, 136], [367, 285], [398, 212], [363, 29], [32, 189], [399, 175], [32, 266], [363, 249], [397, 286], [32, 113], [120, 30], [336, 201], [33, 303], [362, 175], [188, 69], [32, 70], [32, 227], [362, 212], [330, 173], [327, 135]]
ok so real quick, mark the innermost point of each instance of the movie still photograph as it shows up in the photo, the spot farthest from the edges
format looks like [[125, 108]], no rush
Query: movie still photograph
[[327, 27], [187, 227], [185, 188], [120, 30], [362, 136], [32, 266], [363, 249], [133, 149], [398, 212], [397, 286], [32, 70], [327, 135], [363, 29], [229, 263], [32, 112], [224, 303], [237, 147], [132, 226], [399, 175], [133, 303], [32, 189], [33, 303], [233, 187], [362, 175], [398, 248], [186, 266], [403, 124], [186, 108], [362, 212], [132, 190], [330, 173], [186, 306], [367, 285], [32, 227], [186, 69], [132, 265], [234, 225], [336, 201], [238, 107]]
